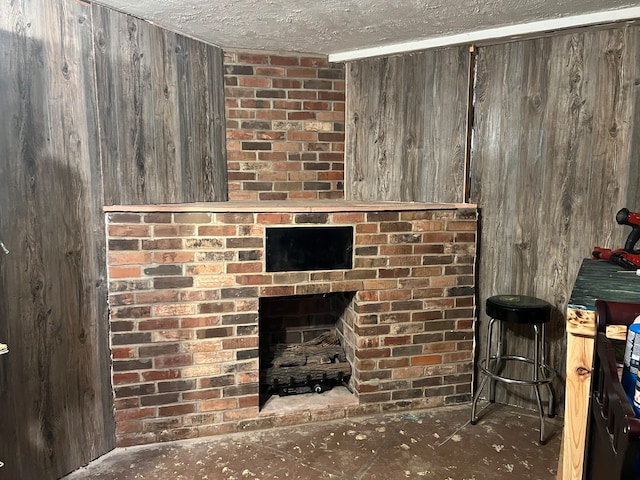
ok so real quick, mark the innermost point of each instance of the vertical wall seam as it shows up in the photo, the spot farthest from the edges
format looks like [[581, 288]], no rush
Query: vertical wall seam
[[471, 79]]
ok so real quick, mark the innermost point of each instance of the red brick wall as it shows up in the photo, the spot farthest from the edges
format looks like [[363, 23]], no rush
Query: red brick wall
[[184, 293], [285, 127]]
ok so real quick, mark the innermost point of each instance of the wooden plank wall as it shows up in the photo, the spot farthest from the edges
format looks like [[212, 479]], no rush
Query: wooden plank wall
[[55, 399], [57, 101], [555, 157], [406, 127], [161, 117]]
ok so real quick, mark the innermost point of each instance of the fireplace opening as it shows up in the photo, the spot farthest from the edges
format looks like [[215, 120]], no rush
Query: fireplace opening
[[306, 344]]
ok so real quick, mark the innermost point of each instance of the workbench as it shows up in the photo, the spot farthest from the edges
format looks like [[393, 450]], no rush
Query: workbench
[[596, 280]]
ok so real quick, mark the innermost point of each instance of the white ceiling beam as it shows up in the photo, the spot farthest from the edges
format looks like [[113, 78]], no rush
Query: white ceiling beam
[[497, 33]]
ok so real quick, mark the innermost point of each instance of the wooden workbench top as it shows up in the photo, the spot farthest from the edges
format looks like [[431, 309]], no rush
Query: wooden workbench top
[[600, 280]]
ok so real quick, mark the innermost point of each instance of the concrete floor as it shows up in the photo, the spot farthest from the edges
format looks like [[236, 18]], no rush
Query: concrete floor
[[437, 444]]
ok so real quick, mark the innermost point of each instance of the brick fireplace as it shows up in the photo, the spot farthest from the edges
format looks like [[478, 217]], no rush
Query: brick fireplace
[[185, 287]]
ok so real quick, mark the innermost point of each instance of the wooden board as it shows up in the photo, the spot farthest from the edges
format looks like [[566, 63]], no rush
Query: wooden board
[[161, 113], [407, 127], [55, 399], [581, 330], [580, 363], [551, 165]]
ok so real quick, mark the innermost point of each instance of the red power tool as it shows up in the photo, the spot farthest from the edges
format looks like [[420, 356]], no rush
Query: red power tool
[[627, 257]]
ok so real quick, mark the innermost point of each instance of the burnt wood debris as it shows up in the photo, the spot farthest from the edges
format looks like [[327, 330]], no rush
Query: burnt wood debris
[[313, 366]]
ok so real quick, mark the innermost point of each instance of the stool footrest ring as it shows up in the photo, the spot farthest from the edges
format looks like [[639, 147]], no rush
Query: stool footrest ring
[[546, 379]]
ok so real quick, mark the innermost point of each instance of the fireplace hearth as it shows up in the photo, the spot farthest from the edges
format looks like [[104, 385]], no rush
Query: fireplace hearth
[[194, 311]]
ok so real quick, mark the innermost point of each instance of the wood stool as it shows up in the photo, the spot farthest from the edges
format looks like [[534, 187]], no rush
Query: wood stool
[[517, 309]]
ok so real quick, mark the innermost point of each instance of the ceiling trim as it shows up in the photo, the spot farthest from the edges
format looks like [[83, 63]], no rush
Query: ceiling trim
[[477, 36]]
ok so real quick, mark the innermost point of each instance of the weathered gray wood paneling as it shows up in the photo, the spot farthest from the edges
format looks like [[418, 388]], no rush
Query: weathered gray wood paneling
[[406, 127], [55, 399], [555, 157], [555, 154], [161, 111]]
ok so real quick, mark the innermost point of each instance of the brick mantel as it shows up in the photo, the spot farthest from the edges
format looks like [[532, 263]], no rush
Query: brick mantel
[[185, 283]]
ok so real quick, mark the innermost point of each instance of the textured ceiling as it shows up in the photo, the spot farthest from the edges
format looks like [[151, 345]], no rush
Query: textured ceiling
[[335, 26]]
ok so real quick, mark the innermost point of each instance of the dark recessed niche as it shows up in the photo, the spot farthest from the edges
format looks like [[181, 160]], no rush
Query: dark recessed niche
[[309, 248]]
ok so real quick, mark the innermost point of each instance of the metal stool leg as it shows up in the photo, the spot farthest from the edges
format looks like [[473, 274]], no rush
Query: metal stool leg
[[497, 366], [476, 396], [536, 377], [552, 400], [483, 381]]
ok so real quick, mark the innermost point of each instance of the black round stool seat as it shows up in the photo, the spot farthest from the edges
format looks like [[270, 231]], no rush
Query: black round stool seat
[[518, 309]]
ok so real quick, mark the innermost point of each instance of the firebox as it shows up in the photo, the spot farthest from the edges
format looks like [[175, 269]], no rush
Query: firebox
[[302, 343]]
